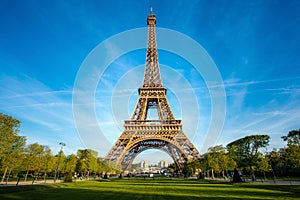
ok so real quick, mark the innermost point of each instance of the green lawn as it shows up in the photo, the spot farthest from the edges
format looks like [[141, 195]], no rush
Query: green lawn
[[150, 189]]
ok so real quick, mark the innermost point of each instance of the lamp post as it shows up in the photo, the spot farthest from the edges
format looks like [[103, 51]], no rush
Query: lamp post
[[56, 171]]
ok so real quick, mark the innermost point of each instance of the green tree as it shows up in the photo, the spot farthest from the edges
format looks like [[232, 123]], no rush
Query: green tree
[[263, 165], [190, 167], [218, 155], [212, 164], [277, 161], [11, 144], [216, 160], [293, 138], [292, 152], [87, 161], [172, 168], [111, 167], [70, 167], [48, 163], [70, 163], [14, 159], [33, 158], [62, 164], [245, 151], [43, 154], [100, 167]]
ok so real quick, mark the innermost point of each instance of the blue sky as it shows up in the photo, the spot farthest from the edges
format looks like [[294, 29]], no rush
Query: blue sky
[[254, 44]]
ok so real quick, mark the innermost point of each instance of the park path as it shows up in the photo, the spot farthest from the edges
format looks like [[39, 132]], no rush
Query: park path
[[277, 182], [14, 183]]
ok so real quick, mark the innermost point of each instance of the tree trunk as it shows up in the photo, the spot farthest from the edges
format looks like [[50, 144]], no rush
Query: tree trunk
[[252, 174], [45, 174], [274, 177], [34, 177], [212, 174], [4, 174], [25, 179], [8, 175], [39, 167]]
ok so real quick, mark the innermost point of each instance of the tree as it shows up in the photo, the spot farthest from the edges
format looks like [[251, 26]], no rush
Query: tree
[[292, 152], [48, 163], [172, 168], [190, 167], [70, 166], [63, 162], [211, 163], [70, 163], [245, 151], [278, 161], [14, 157], [111, 167], [87, 161], [220, 157], [293, 138], [11, 145], [216, 160], [263, 165], [33, 158]]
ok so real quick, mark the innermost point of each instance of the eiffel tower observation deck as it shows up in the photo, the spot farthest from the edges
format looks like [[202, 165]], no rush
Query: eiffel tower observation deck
[[142, 133]]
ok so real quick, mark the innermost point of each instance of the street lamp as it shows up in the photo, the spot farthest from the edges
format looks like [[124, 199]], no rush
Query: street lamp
[[61, 148]]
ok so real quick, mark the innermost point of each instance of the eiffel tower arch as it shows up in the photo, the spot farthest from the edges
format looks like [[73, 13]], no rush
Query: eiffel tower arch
[[142, 133]]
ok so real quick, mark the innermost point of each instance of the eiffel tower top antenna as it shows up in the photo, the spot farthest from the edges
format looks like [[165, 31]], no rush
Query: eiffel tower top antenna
[[152, 73]]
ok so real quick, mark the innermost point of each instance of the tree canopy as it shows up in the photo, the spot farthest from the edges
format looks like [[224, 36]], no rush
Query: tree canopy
[[293, 138], [245, 151], [292, 152]]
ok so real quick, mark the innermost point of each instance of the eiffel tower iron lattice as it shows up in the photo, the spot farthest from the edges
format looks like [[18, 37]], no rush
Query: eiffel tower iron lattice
[[141, 133]]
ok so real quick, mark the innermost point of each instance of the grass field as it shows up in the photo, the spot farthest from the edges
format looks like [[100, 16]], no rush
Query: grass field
[[150, 189]]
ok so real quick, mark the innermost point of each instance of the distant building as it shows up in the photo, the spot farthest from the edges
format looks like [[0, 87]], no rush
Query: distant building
[[144, 164], [163, 164]]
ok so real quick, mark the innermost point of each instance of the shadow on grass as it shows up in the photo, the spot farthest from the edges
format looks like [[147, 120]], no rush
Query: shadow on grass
[[295, 189]]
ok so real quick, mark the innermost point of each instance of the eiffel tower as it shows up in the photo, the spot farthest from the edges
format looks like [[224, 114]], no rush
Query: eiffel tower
[[141, 133]]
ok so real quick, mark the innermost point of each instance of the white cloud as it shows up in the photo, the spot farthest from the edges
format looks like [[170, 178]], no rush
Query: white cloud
[[46, 115], [275, 115]]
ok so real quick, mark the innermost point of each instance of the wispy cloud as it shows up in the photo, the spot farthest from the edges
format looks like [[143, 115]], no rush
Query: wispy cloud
[[42, 111], [275, 115]]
